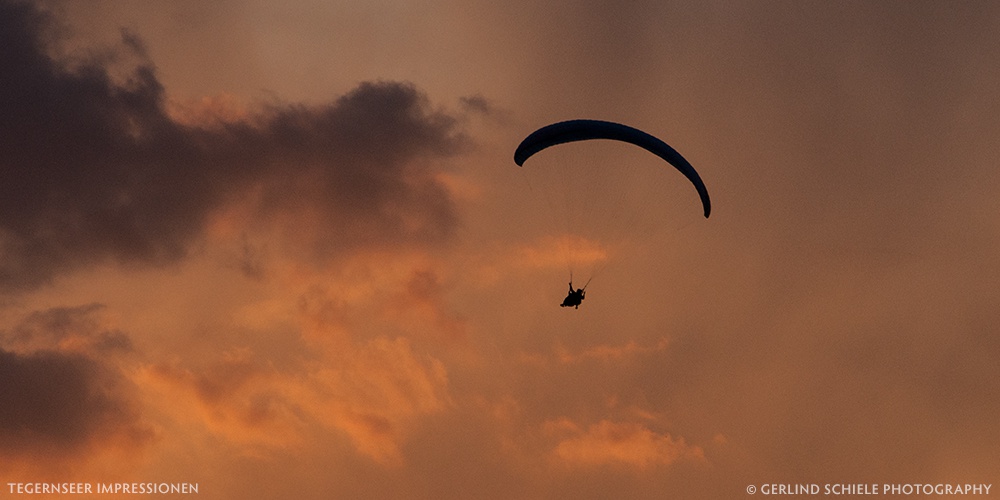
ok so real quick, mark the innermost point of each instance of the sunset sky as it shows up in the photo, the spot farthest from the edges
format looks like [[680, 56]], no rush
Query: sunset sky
[[281, 249]]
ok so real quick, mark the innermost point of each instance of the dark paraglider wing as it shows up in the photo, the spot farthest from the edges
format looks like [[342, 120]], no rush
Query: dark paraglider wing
[[582, 130]]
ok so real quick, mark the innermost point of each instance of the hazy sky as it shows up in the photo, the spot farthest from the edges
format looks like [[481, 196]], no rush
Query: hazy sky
[[281, 249]]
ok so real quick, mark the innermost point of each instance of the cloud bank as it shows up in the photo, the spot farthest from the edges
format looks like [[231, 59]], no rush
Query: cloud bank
[[94, 168]]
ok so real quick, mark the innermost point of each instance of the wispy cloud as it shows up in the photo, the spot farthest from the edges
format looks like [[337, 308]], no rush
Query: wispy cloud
[[625, 443]]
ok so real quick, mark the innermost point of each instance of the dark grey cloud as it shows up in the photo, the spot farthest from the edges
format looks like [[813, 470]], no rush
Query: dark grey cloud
[[93, 168], [54, 400], [79, 326], [62, 388], [478, 103], [63, 391]]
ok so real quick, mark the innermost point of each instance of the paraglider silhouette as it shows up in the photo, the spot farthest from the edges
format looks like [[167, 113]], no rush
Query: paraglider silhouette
[[582, 130], [575, 297]]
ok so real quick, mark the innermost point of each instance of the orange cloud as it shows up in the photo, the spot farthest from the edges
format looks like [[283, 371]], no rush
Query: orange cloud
[[619, 443], [556, 251], [461, 188], [599, 353], [354, 362], [237, 398], [421, 302], [368, 391], [374, 391], [605, 352]]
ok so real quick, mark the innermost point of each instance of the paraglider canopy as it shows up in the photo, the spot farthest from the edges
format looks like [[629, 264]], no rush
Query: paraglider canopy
[[582, 130]]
